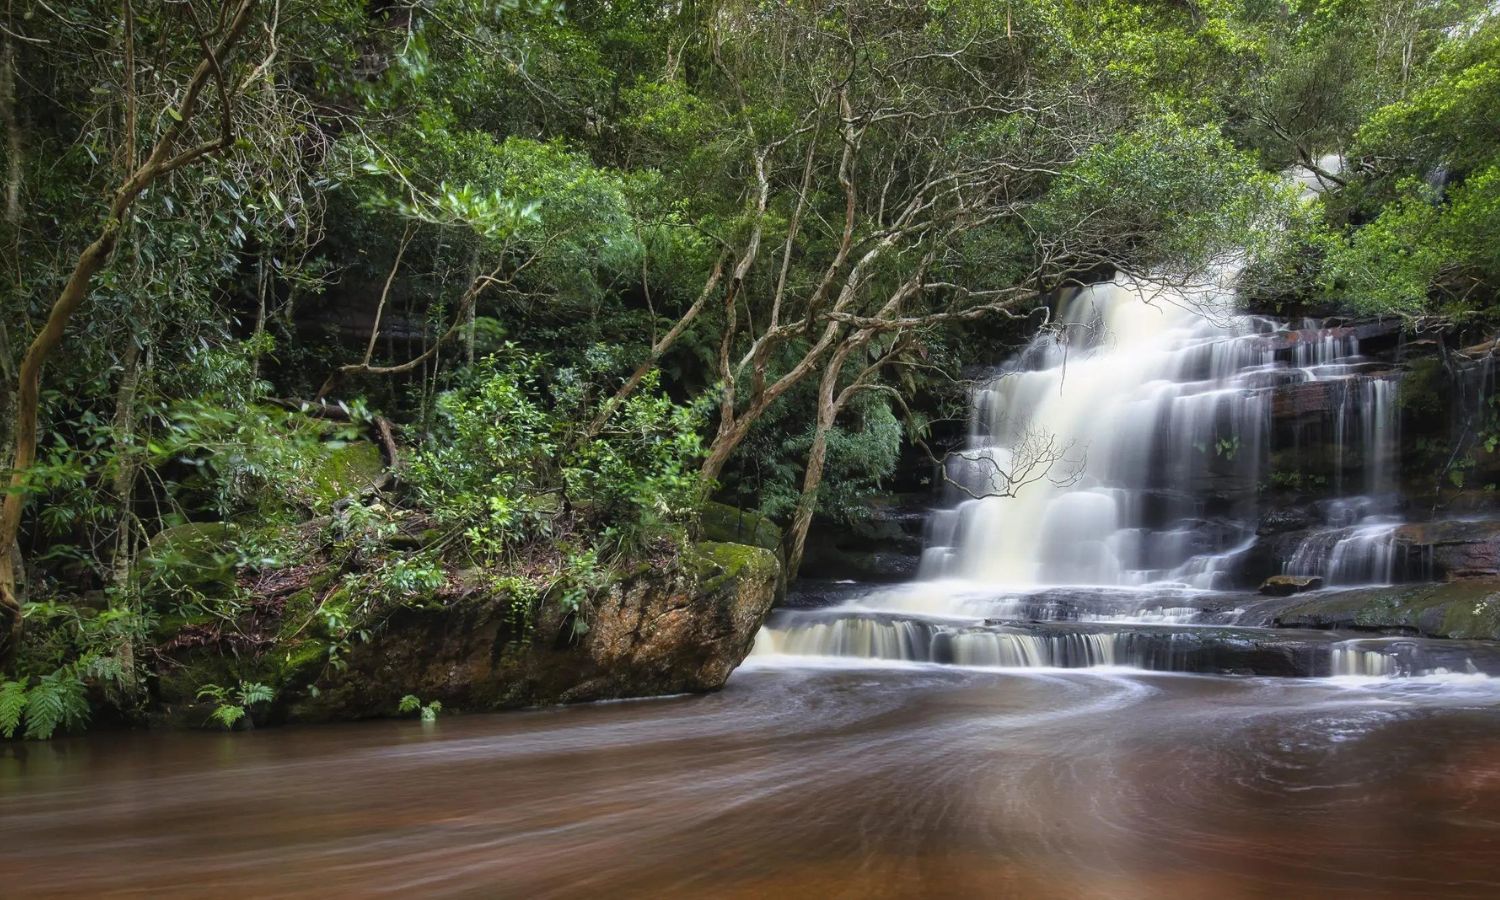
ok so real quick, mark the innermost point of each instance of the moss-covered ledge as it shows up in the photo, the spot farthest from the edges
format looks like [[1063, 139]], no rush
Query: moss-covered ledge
[[1465, 610]]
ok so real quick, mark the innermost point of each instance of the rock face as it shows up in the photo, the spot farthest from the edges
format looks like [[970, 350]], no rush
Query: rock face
[[884, 545], [1287, 585], [1456, 550], [1449, 550], [649, 636]]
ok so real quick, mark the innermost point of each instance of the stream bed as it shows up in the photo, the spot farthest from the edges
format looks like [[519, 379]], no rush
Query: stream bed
[[828, 779]]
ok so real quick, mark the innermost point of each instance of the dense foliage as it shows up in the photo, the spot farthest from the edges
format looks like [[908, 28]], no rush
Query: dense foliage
[[573, 269]]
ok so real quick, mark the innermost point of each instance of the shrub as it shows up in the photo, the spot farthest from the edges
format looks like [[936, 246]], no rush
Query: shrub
[[512, 463]]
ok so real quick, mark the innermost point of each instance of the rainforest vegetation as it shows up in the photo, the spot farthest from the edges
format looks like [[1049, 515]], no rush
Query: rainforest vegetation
[[397, 290]]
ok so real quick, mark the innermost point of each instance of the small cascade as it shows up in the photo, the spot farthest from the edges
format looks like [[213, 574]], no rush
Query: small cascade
[[896, 640], [1000, 650], [1364, 554], [1406, 658], [1351, 659], [869, 638], [850, 637], [902, 640]]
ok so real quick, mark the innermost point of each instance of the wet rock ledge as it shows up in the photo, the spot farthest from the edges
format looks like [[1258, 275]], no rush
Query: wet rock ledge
[[1460, 610]]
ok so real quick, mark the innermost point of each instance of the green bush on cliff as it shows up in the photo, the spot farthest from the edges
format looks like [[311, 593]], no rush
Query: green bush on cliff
[[514, 462]]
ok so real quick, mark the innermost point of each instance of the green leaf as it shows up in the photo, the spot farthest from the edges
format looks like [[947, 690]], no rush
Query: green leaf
[[254, 692], [12, 705]]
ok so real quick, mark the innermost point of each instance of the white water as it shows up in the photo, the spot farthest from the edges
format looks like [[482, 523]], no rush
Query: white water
[[1360, 554], [1127, 447], [919, 642]]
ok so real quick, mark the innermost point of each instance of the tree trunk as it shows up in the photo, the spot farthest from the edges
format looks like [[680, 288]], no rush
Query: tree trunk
[[830, 403], [723, 447], [126, 466], [28, 393], [12, 132], [807, 503]]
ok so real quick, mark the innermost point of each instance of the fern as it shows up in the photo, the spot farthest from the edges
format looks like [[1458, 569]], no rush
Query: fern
[[12, 705], [412, 703], [227, 714], [234, 705], [254, 692], [57, 701]]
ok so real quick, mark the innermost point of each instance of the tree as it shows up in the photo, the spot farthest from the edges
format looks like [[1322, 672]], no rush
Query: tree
[[221, 70]]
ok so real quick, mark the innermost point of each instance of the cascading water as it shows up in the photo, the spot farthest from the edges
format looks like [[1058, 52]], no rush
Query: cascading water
[[1126, 446], [1361, 554], [1110, 487]]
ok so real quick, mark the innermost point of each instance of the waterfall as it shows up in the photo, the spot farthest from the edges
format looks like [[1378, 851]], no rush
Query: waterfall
[[1127, 446], [1351, 658], [902, 640], [1110, 485]]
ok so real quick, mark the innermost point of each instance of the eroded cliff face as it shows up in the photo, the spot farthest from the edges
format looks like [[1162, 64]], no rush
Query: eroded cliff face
[[478, 648]]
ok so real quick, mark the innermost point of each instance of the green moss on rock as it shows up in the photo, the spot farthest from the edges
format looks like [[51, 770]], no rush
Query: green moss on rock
[[717, 563], [196, 555], [1460, 610], [723, 523], [344, 471]]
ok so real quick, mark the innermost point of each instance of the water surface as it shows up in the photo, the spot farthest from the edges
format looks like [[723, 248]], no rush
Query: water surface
[[801, 782]]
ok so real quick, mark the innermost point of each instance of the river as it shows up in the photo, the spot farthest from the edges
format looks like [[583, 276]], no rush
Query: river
[[818, 781]]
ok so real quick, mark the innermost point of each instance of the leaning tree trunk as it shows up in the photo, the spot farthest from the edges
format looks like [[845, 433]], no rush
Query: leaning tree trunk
[[27, 397], [830, 403], [807, 503], [162, 160]]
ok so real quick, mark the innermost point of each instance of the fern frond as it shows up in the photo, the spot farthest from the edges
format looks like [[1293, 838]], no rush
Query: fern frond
[[12, 705], [57, 701], [254, 692], [409, 703], [227, 714]]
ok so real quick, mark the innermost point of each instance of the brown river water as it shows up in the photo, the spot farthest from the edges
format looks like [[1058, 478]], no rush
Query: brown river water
[[811, 782]]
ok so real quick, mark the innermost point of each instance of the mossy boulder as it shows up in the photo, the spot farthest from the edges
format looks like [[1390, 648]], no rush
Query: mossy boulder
[[287, 668], [344, 470], [195, 555], [651, 633]]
